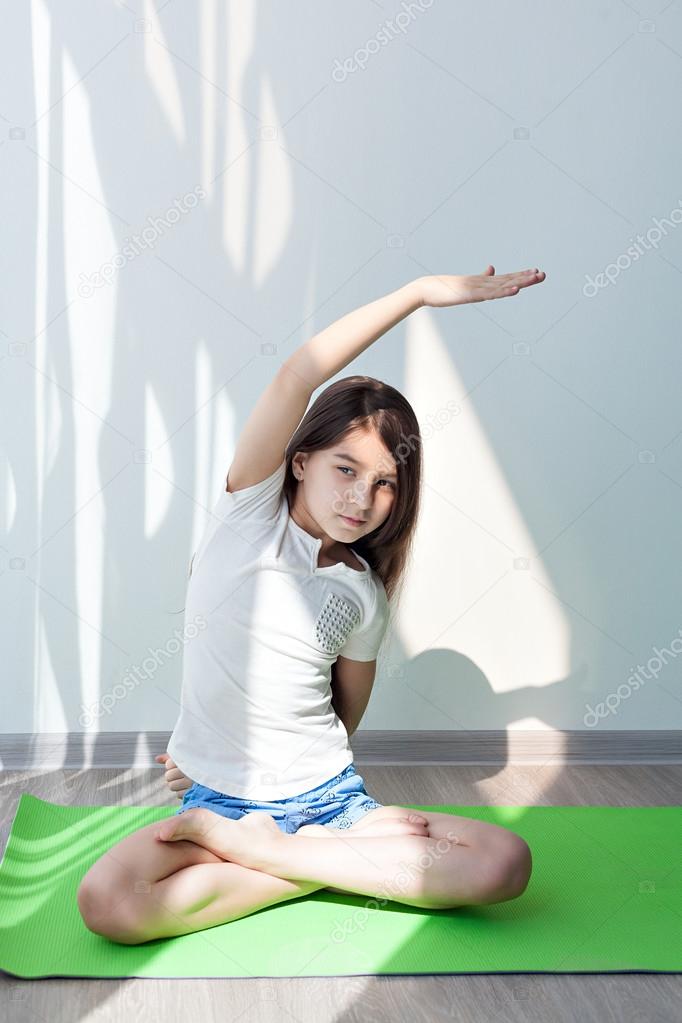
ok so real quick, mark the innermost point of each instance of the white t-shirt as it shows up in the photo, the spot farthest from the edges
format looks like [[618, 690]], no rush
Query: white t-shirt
[[256, 717]]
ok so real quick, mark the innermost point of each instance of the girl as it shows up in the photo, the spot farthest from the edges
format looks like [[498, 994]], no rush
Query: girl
[[290, 585]]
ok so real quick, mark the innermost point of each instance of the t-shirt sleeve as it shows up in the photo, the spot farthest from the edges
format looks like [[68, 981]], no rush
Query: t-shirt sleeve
[[260, 502], [256, 505], [364, 643]]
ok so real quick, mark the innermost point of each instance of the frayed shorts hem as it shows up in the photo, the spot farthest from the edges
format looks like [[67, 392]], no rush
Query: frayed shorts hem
[[339, 802]]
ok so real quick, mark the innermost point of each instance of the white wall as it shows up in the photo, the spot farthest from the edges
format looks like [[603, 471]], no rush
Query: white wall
[[336, 157]]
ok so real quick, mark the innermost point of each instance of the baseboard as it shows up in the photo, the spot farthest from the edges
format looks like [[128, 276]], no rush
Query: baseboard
[[80, 750]]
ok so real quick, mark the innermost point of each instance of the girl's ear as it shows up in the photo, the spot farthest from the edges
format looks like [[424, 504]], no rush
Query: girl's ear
[[298, 464]]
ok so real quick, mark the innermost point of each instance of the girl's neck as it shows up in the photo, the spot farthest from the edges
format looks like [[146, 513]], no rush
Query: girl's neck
[[330, 549]]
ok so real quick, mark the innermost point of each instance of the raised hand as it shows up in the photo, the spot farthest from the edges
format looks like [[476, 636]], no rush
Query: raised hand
[[445, 290], [176, 781]]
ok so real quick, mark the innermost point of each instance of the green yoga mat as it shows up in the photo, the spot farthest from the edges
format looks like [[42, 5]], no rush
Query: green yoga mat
[[605, 896]]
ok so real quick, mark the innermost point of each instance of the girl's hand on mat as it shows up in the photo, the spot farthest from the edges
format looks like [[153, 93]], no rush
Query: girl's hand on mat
[[442, 290], [176, 781]]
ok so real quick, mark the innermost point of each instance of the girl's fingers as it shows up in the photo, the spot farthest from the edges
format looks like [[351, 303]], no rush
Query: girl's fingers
[[502, 284], [517, 277], [511, 287], [179, 784]]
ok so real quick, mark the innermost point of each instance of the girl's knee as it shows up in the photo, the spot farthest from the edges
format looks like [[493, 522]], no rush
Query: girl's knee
[[512, 870], [115, 914], [521, 864], [100, 910]]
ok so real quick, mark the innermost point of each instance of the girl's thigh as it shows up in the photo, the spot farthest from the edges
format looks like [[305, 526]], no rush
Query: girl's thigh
[[143, 888]]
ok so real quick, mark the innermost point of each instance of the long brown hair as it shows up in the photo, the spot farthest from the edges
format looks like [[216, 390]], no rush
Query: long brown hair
[[362, 402]]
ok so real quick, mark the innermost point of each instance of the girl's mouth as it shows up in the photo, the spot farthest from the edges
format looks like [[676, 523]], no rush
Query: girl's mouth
[[353, 522]]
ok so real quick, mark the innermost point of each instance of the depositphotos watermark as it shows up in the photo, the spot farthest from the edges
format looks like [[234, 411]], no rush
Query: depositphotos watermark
[[610, 273], [612, 702], [146, 239], [137, 674], [360, 58]]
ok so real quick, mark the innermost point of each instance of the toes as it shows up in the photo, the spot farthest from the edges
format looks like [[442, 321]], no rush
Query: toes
[[198, 820], [163, 832], [175, 828]]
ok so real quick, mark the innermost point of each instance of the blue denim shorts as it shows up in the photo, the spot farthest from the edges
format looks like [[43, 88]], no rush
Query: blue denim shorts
[[339, 802]]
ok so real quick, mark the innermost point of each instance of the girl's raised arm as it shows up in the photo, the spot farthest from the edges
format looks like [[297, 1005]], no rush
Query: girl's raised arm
[[268, 430], [332, 349], [283, 403]]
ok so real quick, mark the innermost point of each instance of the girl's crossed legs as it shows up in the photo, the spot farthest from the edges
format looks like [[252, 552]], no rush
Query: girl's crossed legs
[[206, 869]]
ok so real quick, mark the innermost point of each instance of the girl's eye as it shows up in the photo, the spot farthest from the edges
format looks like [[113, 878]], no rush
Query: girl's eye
[[390, 482]]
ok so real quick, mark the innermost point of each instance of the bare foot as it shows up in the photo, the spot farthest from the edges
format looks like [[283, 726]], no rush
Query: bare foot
[[239, 841], [410, 824]]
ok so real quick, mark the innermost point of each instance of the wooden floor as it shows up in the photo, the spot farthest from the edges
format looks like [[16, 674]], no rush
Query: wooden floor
[[522, 997]]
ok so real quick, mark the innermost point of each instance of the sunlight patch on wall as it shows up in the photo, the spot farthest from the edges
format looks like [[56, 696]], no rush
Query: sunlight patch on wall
[[518, 634], [214, 429], [157, 490], [89, 243], [529, 724], [48, 708], [9, 489], [88, 537], [273, 215], [513, 630], [223, 439], [203, 484], [41, 36], [235, 163], [209, 48], [207, 483], [158, 66]]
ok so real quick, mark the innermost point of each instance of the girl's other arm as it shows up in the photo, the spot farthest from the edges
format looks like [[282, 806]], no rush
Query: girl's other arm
[[176, 781], [351, 685]]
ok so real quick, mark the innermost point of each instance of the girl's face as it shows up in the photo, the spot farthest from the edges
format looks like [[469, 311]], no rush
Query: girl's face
[[356, 478]]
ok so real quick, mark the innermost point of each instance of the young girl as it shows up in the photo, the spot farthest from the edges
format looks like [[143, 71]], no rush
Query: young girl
[[290, 585]]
